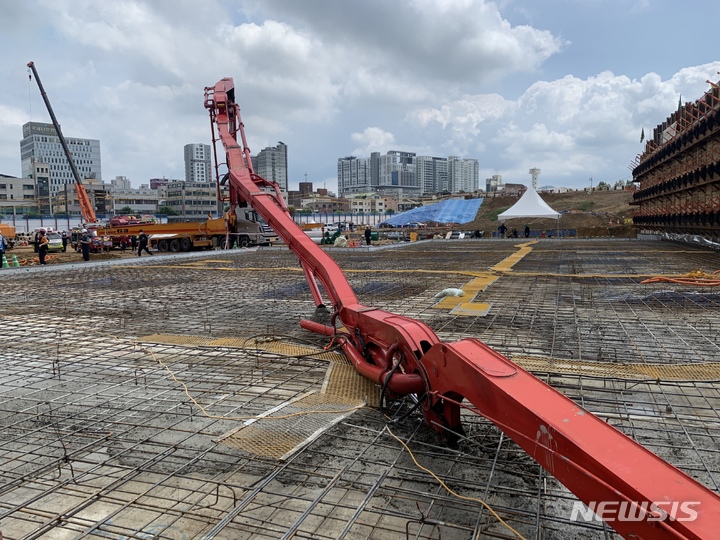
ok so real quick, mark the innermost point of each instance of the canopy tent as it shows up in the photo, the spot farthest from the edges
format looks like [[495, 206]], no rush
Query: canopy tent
[[449, 211], [529, 205]]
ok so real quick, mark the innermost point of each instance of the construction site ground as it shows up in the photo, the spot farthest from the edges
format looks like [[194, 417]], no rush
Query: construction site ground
[[26, 256], [176, 396]]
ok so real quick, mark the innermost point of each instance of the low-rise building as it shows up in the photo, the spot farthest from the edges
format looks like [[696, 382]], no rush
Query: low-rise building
[[18, 195], [192, 198], [142, 200], [325, 204], [367, 203]]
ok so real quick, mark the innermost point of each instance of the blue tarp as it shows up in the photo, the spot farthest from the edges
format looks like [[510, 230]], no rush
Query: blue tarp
[[450, 211]]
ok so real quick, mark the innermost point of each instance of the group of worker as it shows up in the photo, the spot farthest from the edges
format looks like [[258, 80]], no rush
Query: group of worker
[[502, 230], [41, 242]]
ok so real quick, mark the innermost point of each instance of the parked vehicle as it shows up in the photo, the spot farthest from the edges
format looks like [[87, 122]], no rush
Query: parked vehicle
[[415, 225], [205, 233], [54, 242], [98, 244], [397, 235], [342, 225]]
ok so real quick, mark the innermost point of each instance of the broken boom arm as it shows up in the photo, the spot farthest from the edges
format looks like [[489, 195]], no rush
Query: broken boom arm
[[591, 458]]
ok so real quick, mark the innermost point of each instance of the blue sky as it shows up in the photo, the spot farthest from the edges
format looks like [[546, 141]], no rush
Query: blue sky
[[562, 85]]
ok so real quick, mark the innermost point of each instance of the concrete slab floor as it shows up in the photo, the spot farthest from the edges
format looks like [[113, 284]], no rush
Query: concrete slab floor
[[100, 439]]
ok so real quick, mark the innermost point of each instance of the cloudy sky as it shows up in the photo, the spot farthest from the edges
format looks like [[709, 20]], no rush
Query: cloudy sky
[[562, 85]]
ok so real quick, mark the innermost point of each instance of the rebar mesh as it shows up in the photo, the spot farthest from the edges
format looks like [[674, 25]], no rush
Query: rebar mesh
[[99, 440]]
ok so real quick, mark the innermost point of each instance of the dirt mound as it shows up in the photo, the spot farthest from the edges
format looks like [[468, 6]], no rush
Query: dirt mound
[[600, 213]]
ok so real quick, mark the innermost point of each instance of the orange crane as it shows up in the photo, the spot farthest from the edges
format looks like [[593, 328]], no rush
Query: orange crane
[[86, 208]]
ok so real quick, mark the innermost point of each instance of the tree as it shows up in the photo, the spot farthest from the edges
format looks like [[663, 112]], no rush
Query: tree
[[167, 210], [126, 210], [603, 186]]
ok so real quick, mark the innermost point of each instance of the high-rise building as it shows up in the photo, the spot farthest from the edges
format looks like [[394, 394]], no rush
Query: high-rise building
[[463, 175], [198, 167], [432, 173], [375, 168], [41, 144], [271, 164], [397, 169], [353, 176]]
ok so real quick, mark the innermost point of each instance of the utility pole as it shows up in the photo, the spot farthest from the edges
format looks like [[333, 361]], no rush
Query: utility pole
[[591, 185], [183, 200], [67, 207]]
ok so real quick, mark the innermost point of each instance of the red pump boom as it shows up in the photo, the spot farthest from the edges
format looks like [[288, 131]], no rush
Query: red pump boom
[[591, 458]]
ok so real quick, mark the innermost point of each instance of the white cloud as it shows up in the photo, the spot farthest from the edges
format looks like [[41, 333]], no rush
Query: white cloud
[[455, 41], [563, 126], [284, 70], [465, 114], [10, 118], [328, 78], [373, 139]]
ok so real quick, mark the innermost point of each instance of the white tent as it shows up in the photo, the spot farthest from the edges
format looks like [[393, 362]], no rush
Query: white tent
[[529, 205]]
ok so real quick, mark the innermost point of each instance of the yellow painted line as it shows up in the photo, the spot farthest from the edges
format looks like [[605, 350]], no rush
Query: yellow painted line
[[249, 344], [407, 271], [449, 302], [479, 284], [504, 267], [473, 288], [706, 371], [508, 262]]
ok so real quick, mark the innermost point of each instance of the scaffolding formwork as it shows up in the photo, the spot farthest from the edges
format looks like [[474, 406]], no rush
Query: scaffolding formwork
[[679, 172], [177, 397]]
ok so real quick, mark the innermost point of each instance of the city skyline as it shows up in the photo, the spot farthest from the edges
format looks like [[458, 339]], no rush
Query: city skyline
[[566, 87], [406, 173]]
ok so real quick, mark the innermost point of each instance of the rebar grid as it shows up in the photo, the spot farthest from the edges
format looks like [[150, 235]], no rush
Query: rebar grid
[[97, 439]]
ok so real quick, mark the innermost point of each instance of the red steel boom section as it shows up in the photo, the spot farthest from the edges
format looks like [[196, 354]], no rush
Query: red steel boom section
[[591, 458]]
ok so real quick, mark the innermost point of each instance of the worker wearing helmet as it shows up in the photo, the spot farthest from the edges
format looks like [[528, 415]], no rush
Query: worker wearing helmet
[[85, 245]]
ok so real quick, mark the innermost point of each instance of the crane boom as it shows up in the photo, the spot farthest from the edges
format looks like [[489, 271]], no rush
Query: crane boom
[[591, 458], [86, 207]]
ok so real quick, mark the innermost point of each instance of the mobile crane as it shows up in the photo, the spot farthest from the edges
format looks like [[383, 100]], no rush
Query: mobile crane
[[405, 357], [241, 228], [86, 208]]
